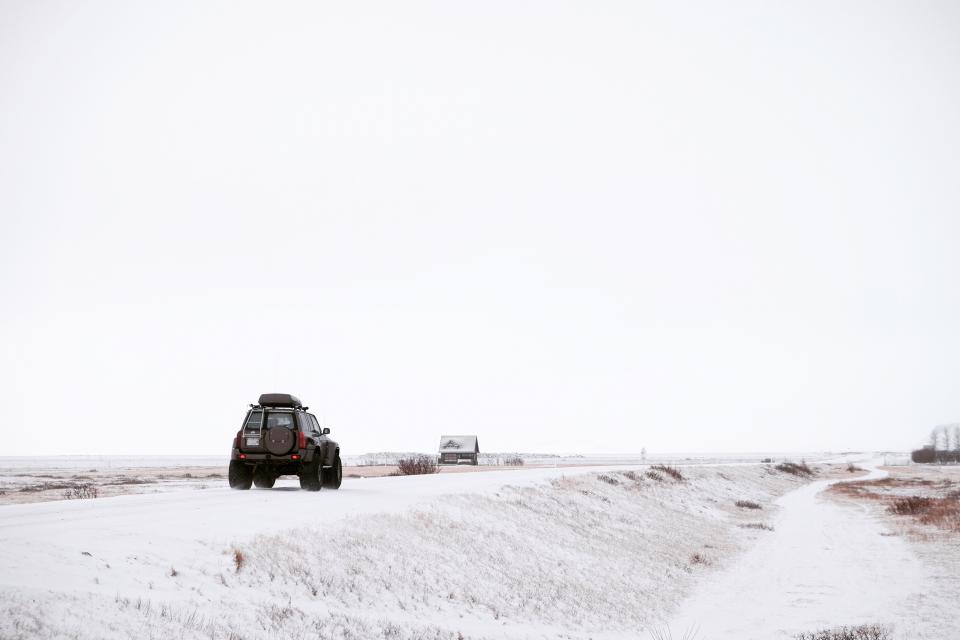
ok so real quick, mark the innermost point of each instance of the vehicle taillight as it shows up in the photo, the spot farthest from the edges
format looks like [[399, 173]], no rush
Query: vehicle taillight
[[301, 440]]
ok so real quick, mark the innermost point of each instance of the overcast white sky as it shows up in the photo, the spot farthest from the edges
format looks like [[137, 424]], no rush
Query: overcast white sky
[[563, 226]]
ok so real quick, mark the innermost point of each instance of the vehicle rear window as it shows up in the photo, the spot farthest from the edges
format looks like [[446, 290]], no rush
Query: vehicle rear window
[[279, 419], [253, 421]]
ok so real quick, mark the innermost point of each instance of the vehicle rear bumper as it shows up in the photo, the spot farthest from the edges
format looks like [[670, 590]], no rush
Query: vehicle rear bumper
[[269, 458]]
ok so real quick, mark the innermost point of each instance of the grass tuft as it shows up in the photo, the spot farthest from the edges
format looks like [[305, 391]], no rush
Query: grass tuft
[[239, 559], [861, 632], [801, 470], [673, 472]]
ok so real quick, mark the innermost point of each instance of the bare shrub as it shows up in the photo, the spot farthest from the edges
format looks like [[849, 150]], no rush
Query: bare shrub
[[608, 479], [861, 632], [801, 470], [748, 504], [670, 471], [81, 492], [513, 461], [417, 465], [699, 558], [173, 572], [852, 468], [653, 475], [239, 559]]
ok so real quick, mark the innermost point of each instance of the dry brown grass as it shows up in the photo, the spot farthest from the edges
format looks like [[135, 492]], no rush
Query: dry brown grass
[[934, 503], [909, 506], [239, 559], [943, 513]]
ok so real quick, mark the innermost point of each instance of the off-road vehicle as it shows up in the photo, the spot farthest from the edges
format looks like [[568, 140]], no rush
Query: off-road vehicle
[[278, 438]]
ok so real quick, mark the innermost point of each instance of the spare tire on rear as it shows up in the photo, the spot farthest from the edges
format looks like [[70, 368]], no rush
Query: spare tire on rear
[[279, 441]]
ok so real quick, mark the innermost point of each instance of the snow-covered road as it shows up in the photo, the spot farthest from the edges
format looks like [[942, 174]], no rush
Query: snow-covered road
[[40, 544], [825, 565]]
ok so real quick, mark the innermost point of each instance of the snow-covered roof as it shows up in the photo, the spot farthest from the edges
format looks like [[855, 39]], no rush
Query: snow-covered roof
[[453, 444]]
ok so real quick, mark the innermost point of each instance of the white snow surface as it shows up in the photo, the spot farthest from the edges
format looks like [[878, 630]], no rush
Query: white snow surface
[[825, 565], [535, 553], [511, 554]]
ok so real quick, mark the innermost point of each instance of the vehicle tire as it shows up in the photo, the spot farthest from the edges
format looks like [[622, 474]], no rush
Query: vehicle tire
[[264, 480], [333, 477], [311, 475], [239, 475]]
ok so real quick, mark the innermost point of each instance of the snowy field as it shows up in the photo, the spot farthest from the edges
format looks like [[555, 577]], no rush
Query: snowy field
[[574, 553]]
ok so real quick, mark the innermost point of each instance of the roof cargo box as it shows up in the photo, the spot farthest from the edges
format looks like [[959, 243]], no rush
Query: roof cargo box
[[280, 400]]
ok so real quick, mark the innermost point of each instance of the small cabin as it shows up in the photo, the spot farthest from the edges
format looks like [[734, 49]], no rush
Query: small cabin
[[459, 450]]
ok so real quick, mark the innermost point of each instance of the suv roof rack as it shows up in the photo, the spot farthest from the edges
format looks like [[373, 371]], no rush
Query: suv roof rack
[[279, 400]]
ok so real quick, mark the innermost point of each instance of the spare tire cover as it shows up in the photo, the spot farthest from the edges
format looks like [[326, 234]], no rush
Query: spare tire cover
[[279, 440]]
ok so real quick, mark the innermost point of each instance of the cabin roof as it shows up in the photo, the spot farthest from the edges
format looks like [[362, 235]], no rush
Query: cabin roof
[[459, 444]]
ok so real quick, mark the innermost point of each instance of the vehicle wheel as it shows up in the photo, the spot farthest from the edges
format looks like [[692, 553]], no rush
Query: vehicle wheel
[[333, 477], [264, 480], [311, 476], [239, 475]]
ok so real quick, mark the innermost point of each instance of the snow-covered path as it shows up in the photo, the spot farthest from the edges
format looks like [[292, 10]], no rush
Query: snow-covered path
[[825, 565]]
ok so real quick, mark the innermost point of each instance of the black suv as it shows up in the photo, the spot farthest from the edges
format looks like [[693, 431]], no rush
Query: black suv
[[278, 438]]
